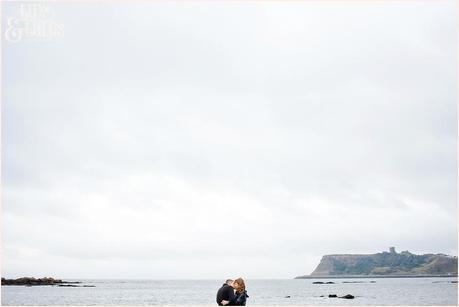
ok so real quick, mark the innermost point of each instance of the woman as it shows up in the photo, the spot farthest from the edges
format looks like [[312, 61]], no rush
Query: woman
[[241, 293]]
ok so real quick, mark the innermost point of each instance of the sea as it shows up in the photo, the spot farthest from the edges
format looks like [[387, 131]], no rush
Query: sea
[[379, 291]]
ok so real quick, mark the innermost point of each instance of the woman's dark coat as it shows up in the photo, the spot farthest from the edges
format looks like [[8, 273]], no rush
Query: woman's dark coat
[[241, 298]]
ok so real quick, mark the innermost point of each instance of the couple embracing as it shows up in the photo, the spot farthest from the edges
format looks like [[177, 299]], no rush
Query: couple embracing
[[232, 293]]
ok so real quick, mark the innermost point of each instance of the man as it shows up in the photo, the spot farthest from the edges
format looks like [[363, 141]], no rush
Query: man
[[226, 293]]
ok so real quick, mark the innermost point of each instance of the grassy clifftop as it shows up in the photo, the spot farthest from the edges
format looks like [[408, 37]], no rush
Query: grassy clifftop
[[386, 263]]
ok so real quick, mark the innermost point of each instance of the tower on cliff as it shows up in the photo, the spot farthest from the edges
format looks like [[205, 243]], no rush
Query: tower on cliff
[[392, 250]]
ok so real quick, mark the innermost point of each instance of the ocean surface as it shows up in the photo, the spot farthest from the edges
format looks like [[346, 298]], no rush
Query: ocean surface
[[383, 291]]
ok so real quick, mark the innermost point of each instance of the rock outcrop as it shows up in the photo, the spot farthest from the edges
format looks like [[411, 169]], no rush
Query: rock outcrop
[[386, 264], [347, 296], [31, 281]]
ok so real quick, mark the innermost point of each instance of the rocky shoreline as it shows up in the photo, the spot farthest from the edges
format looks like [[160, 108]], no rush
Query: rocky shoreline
[[45, 281]]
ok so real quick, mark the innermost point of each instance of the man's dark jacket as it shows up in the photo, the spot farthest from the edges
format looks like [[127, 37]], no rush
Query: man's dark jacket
[[225, 293]]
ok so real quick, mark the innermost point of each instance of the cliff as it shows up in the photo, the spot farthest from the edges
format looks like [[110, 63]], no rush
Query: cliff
[[386, 264]]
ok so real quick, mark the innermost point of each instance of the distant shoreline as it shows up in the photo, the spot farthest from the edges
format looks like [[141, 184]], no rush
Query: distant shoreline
[[369, 276]]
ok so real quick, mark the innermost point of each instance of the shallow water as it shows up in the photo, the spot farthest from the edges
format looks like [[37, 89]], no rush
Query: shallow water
[[385, 291]]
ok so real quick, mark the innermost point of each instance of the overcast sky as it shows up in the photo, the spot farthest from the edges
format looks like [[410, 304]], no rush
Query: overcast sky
[[225, 139]]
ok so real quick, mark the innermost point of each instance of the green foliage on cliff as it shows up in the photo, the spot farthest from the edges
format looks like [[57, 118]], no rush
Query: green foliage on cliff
[[385, 263]]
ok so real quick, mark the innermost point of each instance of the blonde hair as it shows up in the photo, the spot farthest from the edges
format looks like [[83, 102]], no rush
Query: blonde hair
[[240, 285]]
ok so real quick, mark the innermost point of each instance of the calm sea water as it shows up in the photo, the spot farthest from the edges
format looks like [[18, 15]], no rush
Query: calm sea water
[[385, 291]]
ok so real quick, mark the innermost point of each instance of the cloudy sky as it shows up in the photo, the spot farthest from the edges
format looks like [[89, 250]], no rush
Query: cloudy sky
[[222, 139]]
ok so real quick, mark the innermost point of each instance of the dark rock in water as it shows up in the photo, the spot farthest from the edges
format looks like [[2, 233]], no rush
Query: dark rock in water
[[372, 281], [322, 296], [332, 295], [454, 282], [31, 281], [288, 296], [348, 296], [322, 282], [85, 286]]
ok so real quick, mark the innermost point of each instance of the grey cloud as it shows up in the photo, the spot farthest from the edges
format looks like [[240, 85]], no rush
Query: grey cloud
[[152, 132]]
